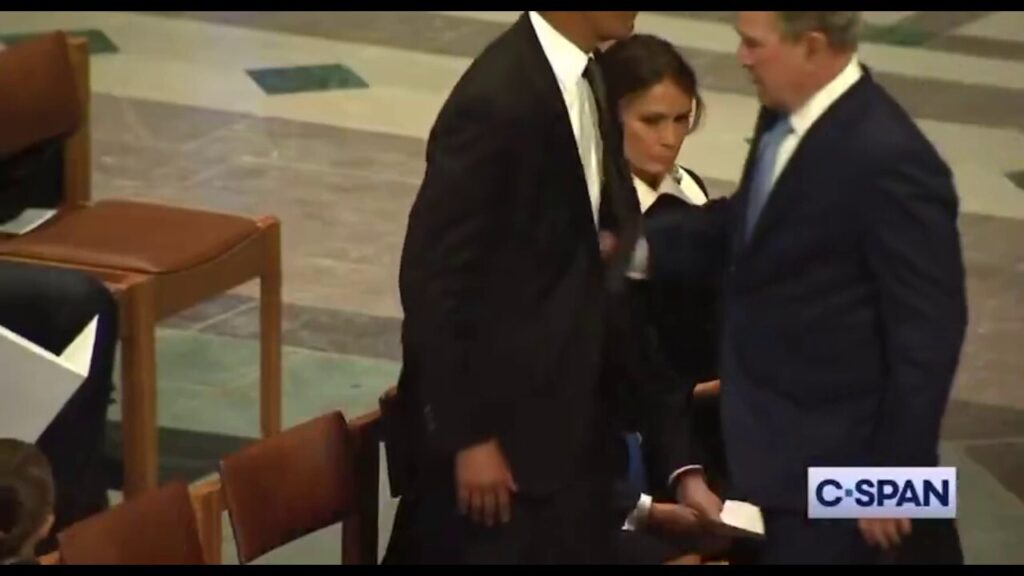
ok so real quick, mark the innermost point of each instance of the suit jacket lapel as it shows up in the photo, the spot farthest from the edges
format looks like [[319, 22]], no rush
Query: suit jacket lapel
[[815, 141]]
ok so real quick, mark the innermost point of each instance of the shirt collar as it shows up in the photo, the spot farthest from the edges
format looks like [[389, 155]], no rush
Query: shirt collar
[[566, 59], [808, 114]]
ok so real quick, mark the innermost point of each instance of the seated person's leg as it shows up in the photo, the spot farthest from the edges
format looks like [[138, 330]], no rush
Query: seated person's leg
[[50, 307]]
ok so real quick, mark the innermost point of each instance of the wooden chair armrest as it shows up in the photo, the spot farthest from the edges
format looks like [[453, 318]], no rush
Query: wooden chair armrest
[[208, 505]]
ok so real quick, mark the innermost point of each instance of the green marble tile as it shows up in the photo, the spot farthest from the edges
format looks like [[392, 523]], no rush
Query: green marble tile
[[897, 34], [99, 42], [1017, 178], [296, 79], [210, 384]]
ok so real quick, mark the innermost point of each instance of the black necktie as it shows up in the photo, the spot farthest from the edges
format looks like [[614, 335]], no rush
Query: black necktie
[[620, 210]]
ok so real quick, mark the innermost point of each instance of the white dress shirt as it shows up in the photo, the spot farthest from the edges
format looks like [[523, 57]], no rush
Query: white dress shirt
[[568, 62]]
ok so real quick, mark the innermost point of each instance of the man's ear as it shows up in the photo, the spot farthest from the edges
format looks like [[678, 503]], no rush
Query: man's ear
[[815, 45]]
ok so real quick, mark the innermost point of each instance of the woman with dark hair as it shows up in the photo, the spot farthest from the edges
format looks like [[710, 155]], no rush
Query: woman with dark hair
[[26, 501], [655, 92]]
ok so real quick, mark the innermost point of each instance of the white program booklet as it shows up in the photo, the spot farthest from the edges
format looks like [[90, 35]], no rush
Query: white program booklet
[[742, 519], [27, 221], [36, 383]]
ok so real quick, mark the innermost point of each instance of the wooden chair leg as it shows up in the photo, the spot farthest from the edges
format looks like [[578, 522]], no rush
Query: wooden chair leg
[[359, 531], [138, 390], [270, 333]]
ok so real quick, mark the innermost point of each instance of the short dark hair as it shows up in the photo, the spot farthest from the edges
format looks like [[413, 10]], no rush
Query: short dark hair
[[641, 62], [26, 494]]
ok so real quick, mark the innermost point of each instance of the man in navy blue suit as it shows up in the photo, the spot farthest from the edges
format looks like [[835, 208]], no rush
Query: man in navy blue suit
[[844, 307]]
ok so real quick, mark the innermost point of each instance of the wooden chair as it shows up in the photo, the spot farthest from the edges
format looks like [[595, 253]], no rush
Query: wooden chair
[[306, 478], [169, 525], [158, 260]]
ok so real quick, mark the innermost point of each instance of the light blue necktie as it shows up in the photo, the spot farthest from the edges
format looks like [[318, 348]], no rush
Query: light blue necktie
[[761, 183]]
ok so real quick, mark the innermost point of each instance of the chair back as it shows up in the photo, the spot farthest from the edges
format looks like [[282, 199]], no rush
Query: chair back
[[45, 107], [288, 485], [157, 527]]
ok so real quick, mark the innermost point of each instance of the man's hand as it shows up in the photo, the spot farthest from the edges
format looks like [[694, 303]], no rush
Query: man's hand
[[608, 244], [884, 532], [483, 482], [693, 491], [673, 519]]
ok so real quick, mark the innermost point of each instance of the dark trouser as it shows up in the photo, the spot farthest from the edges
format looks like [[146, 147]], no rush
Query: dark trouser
[[50, 307], [571, 526], [792, 538], [646, 548]]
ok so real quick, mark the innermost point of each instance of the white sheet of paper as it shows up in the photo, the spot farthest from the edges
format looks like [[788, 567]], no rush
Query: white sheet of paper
[[27, 221], [78, 354], [38, 383], [742, 519]]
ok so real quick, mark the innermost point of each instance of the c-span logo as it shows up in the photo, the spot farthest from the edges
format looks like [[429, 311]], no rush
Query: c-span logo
[[881, 492]]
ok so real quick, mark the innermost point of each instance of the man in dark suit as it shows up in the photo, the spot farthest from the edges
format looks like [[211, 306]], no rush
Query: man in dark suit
[[516, 378], [50, 307], [844, 307]]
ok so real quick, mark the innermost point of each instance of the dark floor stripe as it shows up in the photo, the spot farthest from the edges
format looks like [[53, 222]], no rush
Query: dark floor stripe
[[184, 454]]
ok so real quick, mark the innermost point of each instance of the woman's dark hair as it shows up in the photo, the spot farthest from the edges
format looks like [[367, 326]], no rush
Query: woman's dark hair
[[26, 494], [642, 61]]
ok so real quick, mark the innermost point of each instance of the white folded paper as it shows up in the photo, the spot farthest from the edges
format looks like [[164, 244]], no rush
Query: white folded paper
[[36, 383], [27, 221], [742, 519]]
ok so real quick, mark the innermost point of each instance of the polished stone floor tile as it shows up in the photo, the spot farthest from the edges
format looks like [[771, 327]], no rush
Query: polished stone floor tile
[[1004, 461], [462, 36], [315, 78], [321, 329]]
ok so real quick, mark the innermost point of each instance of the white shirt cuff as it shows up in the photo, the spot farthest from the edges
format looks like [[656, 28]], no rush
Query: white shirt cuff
[[637, 269], [672, 478], [637, 519]]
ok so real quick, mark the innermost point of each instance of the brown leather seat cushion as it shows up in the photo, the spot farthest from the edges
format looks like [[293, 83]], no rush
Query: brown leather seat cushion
[[133, 237], [159, 527], [38, 100]]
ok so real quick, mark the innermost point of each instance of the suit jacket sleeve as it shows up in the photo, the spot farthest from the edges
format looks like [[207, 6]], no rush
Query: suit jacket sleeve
[[690, 245], [650, 396], [450, 251], [913, 249]]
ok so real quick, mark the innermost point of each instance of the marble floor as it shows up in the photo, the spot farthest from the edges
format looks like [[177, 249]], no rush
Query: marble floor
[[320, 118]]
